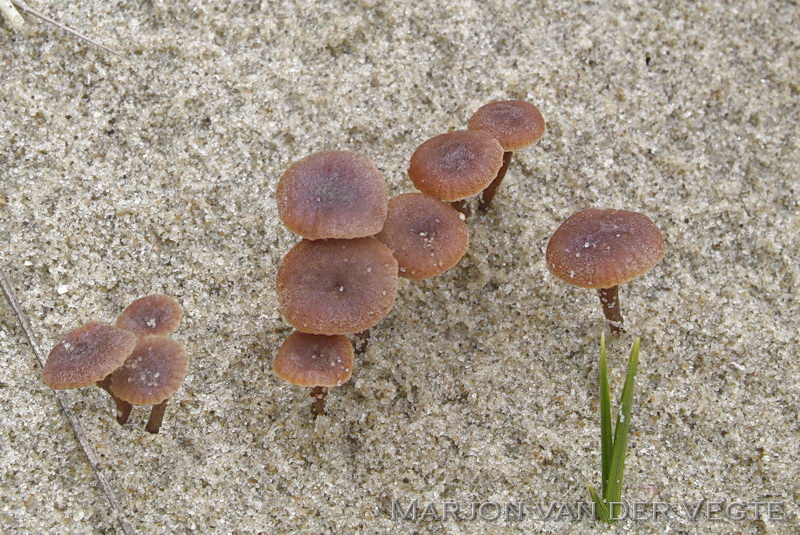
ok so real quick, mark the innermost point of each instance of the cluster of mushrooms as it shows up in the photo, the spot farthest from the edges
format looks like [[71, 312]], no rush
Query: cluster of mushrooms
[[134, 360], [593, 248], [341, 279]]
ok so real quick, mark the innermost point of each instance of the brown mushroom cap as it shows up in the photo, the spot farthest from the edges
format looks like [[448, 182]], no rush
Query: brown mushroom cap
[[156, 314], [515, 123], [314, 360], [456, 165], [336, 286], [426, 236], [152, 373], [604, 248], [86, 355], [333, 194]]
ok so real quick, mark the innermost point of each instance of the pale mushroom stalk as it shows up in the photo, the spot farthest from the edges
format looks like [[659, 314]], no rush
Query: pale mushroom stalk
[[156, 417], [609, 298]]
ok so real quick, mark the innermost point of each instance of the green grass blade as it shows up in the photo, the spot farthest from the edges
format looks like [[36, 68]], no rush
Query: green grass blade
[[620, 445], [606, 442], [600, 507]]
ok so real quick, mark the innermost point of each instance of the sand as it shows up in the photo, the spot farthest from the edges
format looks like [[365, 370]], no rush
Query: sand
[[157, 174]]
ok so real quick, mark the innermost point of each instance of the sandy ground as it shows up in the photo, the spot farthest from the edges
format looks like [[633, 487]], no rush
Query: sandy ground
[[124, 178]]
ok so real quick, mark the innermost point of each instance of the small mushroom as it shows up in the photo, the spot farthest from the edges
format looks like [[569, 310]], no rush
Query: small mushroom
[[426, 236], [315, 361], [156, 314], [515, 124], [89, 354], [456, 165], [336, 286], [333, 194], [150, 375], [602, 249]]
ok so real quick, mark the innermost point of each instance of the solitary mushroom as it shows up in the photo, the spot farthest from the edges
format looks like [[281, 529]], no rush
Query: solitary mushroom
[[333, 194], [515, 124], [150, 375], [602, 249], [337, 286], [456, 165], [426, 236], [86, 355], [315, 361], [156, 314]]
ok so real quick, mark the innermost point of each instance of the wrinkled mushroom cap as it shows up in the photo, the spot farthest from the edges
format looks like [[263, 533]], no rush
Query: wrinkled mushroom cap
[[336, 286], [426, 236], [86, 355], [152, 373], [456, 165], [314, 360], [333, 194], [603, 248], [156, 314], [515, 123]]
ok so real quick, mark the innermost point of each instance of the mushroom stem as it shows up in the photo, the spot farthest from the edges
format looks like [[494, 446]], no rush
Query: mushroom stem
[[609, 298], [318, 406], [462, 206], [156, 417], [361, 341], [491, 189], [123, 407]]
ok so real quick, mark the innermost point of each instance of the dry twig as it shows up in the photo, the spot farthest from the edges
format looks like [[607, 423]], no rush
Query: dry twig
[[11, 15], [5, 5]]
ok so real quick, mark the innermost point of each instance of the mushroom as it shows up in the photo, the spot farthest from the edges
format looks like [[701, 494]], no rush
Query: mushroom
[[515, 124], [602, 249], [156, 314], [150, 375], [426, 236], [456, 165], [336, 286], [88, 354], [315, 361], [332, 194]]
